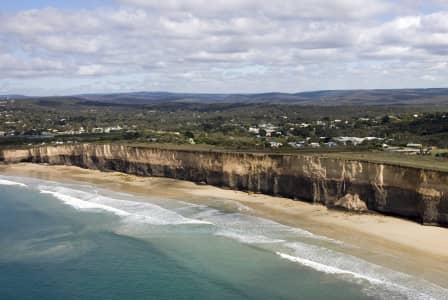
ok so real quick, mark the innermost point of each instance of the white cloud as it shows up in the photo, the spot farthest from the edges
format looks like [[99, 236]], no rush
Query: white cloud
[[310, 9], [90, 70], [231, 45]]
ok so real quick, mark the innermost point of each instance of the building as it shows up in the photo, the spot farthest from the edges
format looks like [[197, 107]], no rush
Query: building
[[331, 144], [275, 144], [112, 129], [355, 140], [254, 130], [413, 145], [98, 130], [296, 145]]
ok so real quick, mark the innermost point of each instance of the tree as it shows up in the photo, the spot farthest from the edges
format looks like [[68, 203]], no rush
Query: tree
[[189, 135], [385, 119]]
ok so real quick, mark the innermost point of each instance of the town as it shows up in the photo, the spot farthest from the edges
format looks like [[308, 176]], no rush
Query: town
[[266, 127]]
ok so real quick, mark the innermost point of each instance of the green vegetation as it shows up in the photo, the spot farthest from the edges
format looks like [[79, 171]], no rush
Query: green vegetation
[[372, 130], [424, 162]]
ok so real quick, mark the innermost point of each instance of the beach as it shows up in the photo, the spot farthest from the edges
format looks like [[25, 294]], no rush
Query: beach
[[384, 240]]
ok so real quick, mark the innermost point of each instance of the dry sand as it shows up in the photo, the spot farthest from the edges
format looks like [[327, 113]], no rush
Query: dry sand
[[391, 241]]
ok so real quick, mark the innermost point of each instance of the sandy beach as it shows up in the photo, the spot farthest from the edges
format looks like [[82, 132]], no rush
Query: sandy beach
[[385, 240]]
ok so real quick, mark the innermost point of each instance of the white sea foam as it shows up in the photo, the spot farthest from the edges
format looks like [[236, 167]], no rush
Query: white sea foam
[[9, 182], [131, 211], [252, 229], [324, 268], [388, 284], [248, 238], [85, 205]]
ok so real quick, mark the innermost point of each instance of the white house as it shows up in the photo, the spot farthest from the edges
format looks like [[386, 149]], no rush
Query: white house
[[275, 144], [254, 130], [413, 145], [98, 130]]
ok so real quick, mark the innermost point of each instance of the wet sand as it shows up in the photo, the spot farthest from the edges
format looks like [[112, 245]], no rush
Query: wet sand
[[405, 245]]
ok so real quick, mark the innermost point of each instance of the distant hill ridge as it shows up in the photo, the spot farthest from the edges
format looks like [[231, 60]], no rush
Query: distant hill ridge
[[434, 96]]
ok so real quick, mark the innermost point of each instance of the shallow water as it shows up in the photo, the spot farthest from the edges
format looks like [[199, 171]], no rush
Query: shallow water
[[74, 241]]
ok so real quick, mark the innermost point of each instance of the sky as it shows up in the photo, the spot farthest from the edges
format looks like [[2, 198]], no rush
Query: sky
[[221, 46]]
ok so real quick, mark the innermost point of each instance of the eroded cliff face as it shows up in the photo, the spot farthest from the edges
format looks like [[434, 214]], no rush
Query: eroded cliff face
[[411, 193]]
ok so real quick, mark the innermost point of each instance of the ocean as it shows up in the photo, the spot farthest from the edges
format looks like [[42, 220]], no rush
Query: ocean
[[69, 240]]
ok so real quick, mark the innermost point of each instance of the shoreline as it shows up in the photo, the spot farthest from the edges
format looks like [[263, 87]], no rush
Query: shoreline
[[405, 244]]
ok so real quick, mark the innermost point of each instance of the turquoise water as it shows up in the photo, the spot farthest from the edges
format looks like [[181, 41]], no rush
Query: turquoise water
[[74, 241]]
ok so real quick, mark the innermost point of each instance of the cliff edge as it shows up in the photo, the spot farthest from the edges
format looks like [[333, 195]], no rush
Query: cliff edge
[[412, 193]]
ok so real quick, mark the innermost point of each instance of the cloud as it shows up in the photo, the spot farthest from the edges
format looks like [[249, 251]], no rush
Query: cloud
[[230, 46], [309, 9]]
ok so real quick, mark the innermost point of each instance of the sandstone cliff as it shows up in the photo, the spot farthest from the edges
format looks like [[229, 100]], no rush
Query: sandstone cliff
[[412, 193]]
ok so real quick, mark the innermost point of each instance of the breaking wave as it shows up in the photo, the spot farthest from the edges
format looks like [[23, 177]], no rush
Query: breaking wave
[[129, 210], [9, 182]]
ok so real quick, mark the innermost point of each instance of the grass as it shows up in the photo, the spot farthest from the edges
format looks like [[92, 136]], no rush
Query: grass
[[414, 161]]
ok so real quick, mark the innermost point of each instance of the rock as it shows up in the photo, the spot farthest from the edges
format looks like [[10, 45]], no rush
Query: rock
[[352, 203]]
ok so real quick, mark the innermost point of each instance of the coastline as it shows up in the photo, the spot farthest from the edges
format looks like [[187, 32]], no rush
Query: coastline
[[400, 240]]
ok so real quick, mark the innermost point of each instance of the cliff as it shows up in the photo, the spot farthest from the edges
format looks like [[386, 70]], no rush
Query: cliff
[[411, 193]]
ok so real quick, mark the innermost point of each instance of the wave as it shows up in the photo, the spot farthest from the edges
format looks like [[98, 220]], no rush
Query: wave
[[324, 268], [85, 205], [247, 238], [9, 182], [130, 211], [382, 282], [255, 230]]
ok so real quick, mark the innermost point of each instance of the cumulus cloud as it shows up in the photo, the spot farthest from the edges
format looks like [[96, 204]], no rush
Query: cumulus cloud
[[229, 46]]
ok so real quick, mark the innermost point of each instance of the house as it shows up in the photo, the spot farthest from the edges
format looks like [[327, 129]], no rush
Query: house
[[44, 133], [275, 144], [345, 139], [112, 129], [269, 128], [413, 145], [69, 132], [254, 130], [355, 140], [98, 130], [296, 145], [331, 144]]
